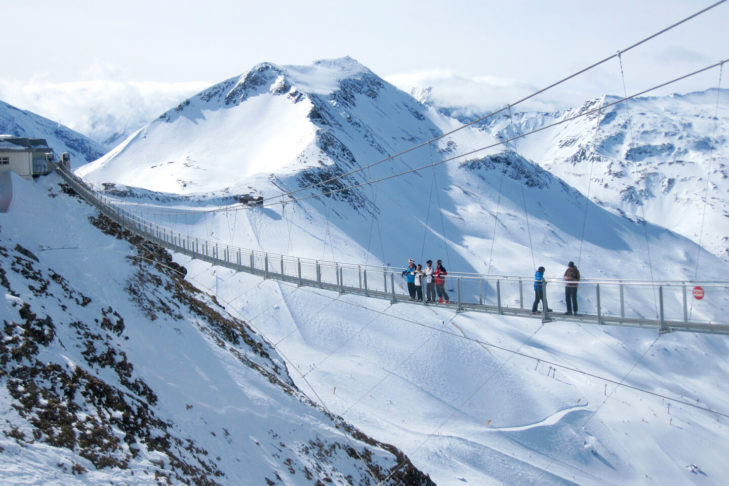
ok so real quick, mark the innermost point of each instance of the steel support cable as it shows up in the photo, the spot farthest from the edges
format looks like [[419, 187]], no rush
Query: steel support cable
[[587, 196], [442, 220], [506, 277], [642, 206], [496, 219], [516, 137], [708, 179], [523, 198], [528, 97], [427, 215], [465, 154], [495, 346]]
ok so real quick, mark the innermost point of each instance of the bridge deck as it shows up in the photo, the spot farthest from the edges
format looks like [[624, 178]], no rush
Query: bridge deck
[[261, 264]]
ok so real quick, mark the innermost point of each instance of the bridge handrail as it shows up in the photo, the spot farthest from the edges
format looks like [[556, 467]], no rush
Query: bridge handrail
[[483, 293]]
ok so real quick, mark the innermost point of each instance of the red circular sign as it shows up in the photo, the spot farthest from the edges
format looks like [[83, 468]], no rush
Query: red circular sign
[[698, 292]]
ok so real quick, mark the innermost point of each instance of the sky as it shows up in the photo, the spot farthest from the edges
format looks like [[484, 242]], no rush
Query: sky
[[59, 56]]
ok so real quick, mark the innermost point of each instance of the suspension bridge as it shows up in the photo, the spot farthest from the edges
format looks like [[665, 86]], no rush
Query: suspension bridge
[[505, 295], [664, 305]]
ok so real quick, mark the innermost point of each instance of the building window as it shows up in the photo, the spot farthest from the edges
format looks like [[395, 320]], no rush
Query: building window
[[4, 160]]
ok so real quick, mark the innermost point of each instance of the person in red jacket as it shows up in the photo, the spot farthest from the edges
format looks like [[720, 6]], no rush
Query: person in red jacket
[[439, 275]]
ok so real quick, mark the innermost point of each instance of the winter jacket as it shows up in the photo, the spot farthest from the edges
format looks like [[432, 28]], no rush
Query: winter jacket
[[410, 274], [572, 274], [439, 275], [428, 272], [538, 280]]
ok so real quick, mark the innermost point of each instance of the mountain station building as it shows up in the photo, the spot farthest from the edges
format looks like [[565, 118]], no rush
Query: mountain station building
[[25, 156]]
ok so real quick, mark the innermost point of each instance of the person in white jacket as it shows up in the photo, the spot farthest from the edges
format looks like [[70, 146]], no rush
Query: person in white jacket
[[429, 283]]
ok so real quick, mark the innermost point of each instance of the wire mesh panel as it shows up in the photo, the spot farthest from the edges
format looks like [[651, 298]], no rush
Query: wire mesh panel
[[291, 267], [308, 270], [259, 260], [329, 273], [351, 276]]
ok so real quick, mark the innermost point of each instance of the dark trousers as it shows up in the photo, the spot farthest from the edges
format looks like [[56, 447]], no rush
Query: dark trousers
[[440, 289], [538, 295], [418, 292], [430, 291], [570, 295], [411, 289]]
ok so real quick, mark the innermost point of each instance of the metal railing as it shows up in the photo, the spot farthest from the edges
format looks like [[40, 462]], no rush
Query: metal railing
[[665, 306]]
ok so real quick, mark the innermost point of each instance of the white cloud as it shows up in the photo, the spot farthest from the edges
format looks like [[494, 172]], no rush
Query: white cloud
[[470, 95], [100, 108]]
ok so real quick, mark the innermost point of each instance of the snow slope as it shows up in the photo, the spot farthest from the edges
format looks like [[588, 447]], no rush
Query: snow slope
[[476, 399], [114, 370], [659, 159]]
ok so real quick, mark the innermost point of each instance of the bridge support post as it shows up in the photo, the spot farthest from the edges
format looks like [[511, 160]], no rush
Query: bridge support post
[[384, 277], [521, 294], [216, 254], [364, 279], [265, 265], [545, 305], [599, 310], [663, 327], [336, 270], [341, 280], [238, 257], [298, 269], [282, 268], [480, 291], [392, 287], [498, 296], [622, 301], [685, 304], [251, 260], [359, 274], [318, 273]]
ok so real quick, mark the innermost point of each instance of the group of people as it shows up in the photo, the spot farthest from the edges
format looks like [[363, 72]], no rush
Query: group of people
[[434, 281], [571, 277], [432, 278]]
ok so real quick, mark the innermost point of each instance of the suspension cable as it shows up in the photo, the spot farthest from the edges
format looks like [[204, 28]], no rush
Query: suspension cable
[[642, 205], [513, 138], [707, 187], [501, 110], [528, 97], [455, 157]]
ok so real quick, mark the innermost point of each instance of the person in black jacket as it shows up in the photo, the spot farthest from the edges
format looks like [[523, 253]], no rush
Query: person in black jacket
[[571, 277]]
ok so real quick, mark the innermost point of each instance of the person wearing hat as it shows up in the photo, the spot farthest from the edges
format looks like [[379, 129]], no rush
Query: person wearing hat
[[538, 289], [409, 274], [571, 276]]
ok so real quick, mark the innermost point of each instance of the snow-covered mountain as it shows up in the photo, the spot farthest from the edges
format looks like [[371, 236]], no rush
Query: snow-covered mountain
[[115, 370], [469, 398], [23, 123], [660, 159]]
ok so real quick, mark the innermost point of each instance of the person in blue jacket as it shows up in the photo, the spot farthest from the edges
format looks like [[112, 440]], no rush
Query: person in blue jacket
[[538, 289], [409, 275]]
